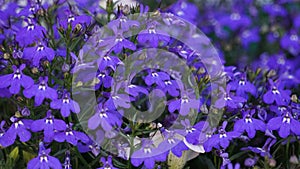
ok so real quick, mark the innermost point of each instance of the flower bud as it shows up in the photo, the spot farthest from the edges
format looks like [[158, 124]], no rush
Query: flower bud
[[272, 162], [65, 67], [294, 159], [25, 111], [34, 70], [6, 56], [294, 98]]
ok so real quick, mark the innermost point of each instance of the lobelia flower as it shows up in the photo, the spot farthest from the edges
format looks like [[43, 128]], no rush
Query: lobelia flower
[[105, 117], [72, 19], [4, 140], [243, 86], [171, 143], [275, 10], [249, 124], [171, 87], [40, 91], [152, 36], [108, 61], [250, 36], [123, 23], [148, 155], [30, 9], [222, 139], [265, 150], [7, 13], [71, 136], [30, 34], [227, 99], [35, 54], [276, 93], [19, 128], [134, 90], [291, 43], [104, 79], [185, 10], [156, 77], [183, 105], [118, 42], [44, 160], [16, 80], [107, 163], [66, 105], [235, 21], [50, 125], [284, 124], [67, 163], [190, 132]]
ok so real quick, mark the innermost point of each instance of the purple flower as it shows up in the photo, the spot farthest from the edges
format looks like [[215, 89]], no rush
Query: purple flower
[[107, 163], [291, 43], [39, 52], [265, 150], [40, 91], [105, 117], [49, 124], [249, 124], [276, 93], [242, 86], [152, 36], [16, 80], [134, 90], [66, 105], [185, 10], [171, 143], [158, 78], [274, 10], [108, 61], [5, 140], [235, 21], [71, 136], [148, 155], [123, 23], [227, 99], [44, 160], [30, 34], [30, 9], [250, 36], [71, 19], [222, 139], [19, 128], [67, 163], [104, 79], [285, 124], [183, 105]]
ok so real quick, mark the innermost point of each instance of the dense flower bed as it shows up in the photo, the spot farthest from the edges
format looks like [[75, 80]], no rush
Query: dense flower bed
[[86, 86]]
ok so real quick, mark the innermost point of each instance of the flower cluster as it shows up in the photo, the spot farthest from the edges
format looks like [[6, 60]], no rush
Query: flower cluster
[[240, 110]]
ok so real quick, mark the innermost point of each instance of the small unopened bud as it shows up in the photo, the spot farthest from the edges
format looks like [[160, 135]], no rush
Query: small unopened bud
[[41, 12], [77, 28], [271, 73], [294, 98], [46, 63], [294, 159], [25, 111], [66, 74], [20, 99], [34, 70], [65, 67], [272, 162], [6, 56]]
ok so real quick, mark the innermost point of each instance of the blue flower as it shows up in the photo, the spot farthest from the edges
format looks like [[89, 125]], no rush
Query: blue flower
[[19, 127], [107, 163], [44, 160], [265, 150], [249, 124], [40, 91], [227, 99], [71, 136], [50, 125], [276, 93], [35, 54], [30, 34], [66, 105], [222, 139], [16, 80], [285, 124], [148, 154]]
